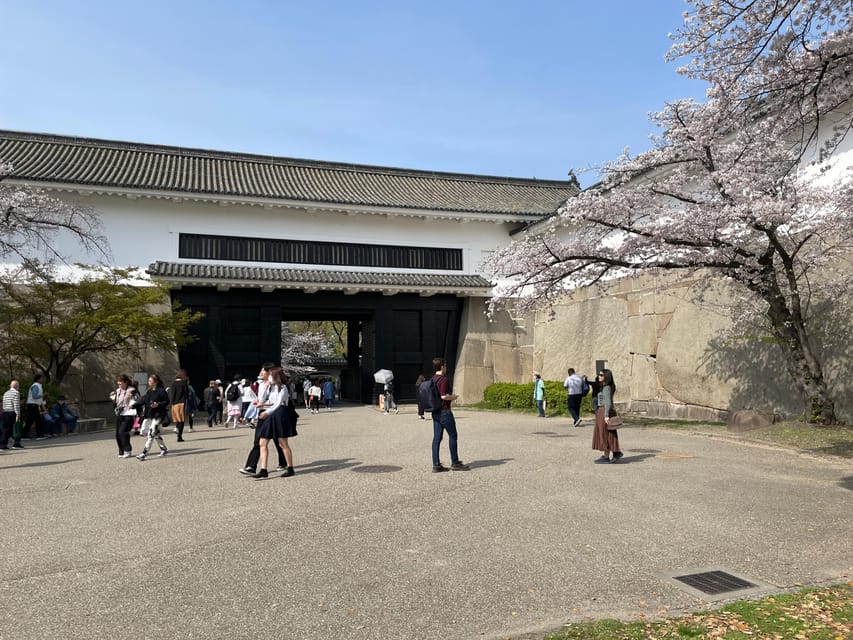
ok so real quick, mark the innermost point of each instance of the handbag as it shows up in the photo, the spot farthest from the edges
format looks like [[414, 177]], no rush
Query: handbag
[[615, 423]]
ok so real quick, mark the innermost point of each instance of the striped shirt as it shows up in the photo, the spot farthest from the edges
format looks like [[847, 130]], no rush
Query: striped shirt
[[12, 401]]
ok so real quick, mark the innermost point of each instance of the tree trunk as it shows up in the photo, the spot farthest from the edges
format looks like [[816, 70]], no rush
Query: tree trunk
[[803, 365]]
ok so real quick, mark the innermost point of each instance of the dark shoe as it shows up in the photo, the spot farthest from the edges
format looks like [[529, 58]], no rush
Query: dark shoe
[[261, 474], [180, 439], [460, 466], [603, 460], [438, 468], [616, 456], [288, 472], [247, 471]]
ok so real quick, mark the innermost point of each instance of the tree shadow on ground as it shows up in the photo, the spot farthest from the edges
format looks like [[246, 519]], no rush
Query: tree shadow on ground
[[757, 366], [840, 449]]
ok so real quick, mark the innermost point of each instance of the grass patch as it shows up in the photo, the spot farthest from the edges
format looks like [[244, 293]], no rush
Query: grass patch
[[835, 440], [814, 614]]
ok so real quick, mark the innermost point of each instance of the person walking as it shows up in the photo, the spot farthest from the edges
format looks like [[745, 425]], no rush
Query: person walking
[[539, 393], [125, 399], [443, 420], [32, 413], [11, 416], [234, 401], [261, 405], [306, 392], [418, 382], [178, 395], [211, 401], [574, 386], [314, 392], [603, 439], [390, 403], [155, 403], [328, 393], [278, 422]]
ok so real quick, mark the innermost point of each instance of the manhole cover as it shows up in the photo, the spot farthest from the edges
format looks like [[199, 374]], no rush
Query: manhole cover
[[377, 468], [716, 583]]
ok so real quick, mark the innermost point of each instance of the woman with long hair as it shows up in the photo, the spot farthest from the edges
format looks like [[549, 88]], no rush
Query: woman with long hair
[[125, 399], [178, 395], [603, 439], [155, 403], [278, 421]]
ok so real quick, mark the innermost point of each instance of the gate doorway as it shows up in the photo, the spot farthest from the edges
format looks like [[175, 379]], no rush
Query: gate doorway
[[241, 329]]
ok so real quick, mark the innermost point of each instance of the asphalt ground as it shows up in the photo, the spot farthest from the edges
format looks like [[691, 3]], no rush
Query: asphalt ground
[[364, 542]]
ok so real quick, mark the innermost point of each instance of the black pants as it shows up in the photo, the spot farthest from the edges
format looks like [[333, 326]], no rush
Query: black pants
[[574, 402], [124, 425], [7, 428], [255, 453], [33, 417]]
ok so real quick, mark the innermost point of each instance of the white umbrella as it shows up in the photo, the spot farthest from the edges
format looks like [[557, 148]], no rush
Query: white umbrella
[[383, 376]]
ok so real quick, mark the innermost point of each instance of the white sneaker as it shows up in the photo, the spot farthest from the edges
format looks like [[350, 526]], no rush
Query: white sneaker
[[140, 457], [163, 452], [126, 454]]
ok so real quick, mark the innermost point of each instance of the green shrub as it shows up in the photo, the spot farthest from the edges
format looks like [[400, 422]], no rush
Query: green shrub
[[507, 395]]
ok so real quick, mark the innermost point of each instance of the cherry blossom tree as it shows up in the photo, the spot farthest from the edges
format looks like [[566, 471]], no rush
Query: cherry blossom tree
[[752, 186], [30, 220]]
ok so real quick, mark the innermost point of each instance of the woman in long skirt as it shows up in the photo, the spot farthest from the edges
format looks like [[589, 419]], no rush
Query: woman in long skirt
[[603, 439]]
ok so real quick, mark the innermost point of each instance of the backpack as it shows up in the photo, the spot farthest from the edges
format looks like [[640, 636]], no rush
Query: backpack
[[585, 386], [428, 396], [232, 392]]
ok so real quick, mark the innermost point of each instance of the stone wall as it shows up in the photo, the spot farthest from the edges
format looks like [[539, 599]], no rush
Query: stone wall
[[662, 346]]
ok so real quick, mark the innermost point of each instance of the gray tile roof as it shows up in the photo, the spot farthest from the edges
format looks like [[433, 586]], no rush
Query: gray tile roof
[[101, 163], [192, 274]]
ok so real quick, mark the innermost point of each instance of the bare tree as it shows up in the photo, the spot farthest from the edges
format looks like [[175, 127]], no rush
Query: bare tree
[[31, 220]]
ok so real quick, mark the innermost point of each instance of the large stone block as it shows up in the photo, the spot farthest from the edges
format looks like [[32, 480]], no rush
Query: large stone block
[[643, 334], [682, 354], [643, 378]]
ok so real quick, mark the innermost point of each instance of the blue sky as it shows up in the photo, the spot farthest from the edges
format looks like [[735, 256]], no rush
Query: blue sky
[[526, 89]]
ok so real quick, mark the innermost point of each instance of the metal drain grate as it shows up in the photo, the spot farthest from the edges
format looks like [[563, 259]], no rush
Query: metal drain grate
[[714, 582]]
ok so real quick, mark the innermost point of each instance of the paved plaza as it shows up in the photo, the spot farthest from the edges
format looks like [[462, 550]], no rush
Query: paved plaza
[[366, 543]]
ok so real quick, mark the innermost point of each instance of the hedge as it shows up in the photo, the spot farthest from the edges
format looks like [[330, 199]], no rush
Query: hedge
[[506, 395]]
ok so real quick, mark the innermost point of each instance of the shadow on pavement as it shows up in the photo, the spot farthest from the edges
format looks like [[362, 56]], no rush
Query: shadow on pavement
[[325, 466], [477, 464], [48, 463]]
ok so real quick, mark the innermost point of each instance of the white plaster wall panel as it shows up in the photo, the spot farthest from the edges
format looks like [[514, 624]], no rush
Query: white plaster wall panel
[[144, 230]]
